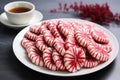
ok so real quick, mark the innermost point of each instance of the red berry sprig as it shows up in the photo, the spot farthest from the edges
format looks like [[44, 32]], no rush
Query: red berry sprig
[[95, 12]]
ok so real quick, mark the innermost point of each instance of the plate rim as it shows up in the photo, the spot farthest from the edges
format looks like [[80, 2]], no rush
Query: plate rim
[[69, 74]]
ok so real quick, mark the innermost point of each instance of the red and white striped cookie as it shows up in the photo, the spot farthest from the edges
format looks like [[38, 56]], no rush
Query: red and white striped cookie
[[58, 44], [48, 60], [34, 56], [52, 27], [43, 29], [98, 52], [74, 59], [77, 25], [46, 22], [88, 26], [40, 44], [35, 29], [51, 24], [30, 35], [58, 60], [99, 36], [65, 27], [106, 47], [26, 43], [70, 41], [49, 38], [83, 37], [90, 62]]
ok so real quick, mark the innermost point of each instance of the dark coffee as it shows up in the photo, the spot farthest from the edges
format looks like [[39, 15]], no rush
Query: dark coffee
[[19, 9]]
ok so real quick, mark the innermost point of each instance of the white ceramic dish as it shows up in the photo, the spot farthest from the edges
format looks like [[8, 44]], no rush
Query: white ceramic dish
[[36, 18], [22, 57]]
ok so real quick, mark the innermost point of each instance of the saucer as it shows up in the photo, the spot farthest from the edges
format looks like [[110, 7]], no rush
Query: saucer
[[36, 18]]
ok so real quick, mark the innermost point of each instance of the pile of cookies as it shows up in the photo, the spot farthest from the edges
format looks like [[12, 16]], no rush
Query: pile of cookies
[[64, 45]]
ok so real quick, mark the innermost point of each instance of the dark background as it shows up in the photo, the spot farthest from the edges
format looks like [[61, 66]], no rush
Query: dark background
[[12, 69]]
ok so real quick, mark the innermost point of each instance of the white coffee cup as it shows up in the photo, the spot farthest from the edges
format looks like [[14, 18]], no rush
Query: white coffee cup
[[19, 17]]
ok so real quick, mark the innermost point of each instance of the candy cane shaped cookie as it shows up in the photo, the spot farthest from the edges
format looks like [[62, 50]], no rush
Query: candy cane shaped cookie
[[99, 36], [40, 44], [59, 45], [30, 35], [58, 60], [48, 61], [83, 37], [34, 56], [35, 29], [98, 52], [74, 59], [26, 43]]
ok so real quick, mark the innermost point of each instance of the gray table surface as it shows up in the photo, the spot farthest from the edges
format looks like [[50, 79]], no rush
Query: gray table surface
[[12, 69]]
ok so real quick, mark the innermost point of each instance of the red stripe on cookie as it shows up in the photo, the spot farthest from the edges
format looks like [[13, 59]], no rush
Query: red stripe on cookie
[[34, 56], [26, 43], [48, 60], [58, 60], [83, 37], [98, 52], [74, 59], [35, 29], [99, 36], [40, 43], [30, 35], [59, 45]]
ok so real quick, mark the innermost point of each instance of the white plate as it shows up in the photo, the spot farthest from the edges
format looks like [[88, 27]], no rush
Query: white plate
[[22, 57], [36, 18]]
